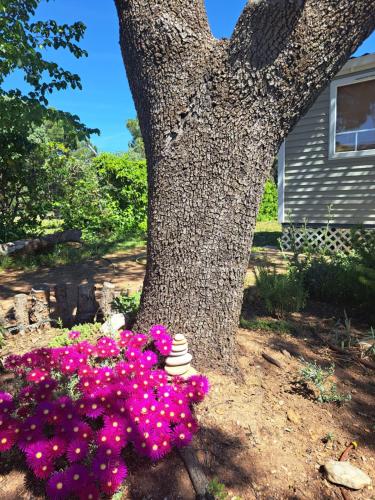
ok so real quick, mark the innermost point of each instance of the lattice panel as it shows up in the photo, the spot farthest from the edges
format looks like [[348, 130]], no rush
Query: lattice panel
[[332, 239]]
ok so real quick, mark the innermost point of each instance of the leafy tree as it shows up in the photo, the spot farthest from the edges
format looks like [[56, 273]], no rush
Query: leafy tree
[[268, 206], [106, 198], [213, 114], [136, 145], [34, 139], [35, 143], [23, 43]]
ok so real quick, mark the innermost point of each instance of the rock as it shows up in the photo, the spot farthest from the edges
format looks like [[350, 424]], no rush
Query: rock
[[180, 347], [178, 370], [345, 474], [176, 353], [293, 417], [114, 323], [178, 360], [179, 336]]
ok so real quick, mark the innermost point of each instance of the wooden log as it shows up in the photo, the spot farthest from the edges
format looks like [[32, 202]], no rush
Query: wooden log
[[107, 296], [21, 311], [197, 476], [87, 305], [40, 311], [42, 243], [66, 300], [272, 360]]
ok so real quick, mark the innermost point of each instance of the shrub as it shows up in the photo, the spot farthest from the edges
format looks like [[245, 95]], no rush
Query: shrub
[[87, 331], [127, 304], [282, 293], [277, 326], [268, 206], [80, 406], [318, 376]]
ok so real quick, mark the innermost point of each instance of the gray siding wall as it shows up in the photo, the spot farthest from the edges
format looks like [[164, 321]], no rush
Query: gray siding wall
[[313, 181]]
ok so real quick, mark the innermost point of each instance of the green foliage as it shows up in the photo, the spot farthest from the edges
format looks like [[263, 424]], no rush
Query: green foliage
[[268, 206], [277, 326], [345, 280], [106, 198], [88, 331], [65, 254], [34, 140], [318, 376], [281, 293], [218, 491], [136, 145], [127, 303], [25, 42]]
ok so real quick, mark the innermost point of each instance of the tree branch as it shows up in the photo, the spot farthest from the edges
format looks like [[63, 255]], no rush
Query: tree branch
[[165, 47], [290, 50]]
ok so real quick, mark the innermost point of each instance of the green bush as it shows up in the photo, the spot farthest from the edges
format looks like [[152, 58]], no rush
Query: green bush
[[268, 207], [110, 200], [88, 331], [281, 293], [342, 280], [318, 377]]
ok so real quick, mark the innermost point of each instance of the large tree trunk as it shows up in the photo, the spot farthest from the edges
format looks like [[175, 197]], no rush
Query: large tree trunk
[[213, 114]]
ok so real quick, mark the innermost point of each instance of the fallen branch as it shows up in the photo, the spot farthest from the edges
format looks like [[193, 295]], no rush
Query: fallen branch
[[42, 243], [197, 476], [364, 362], [272, 360]]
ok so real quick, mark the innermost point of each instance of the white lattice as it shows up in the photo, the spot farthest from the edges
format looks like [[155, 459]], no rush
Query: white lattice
[[331, 238]]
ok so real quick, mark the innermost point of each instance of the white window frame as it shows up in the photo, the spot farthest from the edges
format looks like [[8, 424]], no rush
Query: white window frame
[[333, 154]]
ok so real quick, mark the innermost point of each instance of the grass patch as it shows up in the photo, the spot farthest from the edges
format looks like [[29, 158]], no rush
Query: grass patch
[[268, 325], [267, 233], [69, 254]]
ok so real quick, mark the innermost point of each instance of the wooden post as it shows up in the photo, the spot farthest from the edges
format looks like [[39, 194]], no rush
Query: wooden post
[[87, 306], [40, 312], [108, 294], [2, 316], [66, 296], [21, 311]]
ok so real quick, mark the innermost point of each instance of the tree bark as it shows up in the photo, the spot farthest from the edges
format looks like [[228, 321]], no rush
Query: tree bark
[[213, 114]]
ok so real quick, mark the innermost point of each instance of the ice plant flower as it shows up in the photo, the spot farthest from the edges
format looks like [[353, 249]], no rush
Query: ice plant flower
[[74, 440]]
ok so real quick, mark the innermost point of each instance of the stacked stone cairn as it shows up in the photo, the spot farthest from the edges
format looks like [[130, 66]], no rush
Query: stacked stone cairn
[[178, 362]]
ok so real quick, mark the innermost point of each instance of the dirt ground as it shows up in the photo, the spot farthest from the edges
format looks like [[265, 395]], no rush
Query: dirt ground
[[262, 433]]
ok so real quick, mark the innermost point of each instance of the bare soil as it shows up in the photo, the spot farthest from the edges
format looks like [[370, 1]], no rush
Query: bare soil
[[262, 433]]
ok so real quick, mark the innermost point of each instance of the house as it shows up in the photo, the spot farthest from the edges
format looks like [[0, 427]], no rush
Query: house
[[327, 163]]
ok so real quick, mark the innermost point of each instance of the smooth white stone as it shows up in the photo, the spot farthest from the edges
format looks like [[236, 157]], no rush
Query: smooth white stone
[[178, 353], [178, 360], [179, 348], [177, 370], [179, 337]]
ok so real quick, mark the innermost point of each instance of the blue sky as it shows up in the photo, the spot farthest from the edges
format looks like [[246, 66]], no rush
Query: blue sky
[[105, 101]]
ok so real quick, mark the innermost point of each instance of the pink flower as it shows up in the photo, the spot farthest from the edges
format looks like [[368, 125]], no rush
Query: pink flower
[[59, 486], [181, 435], [156, 331], [73, 335], [77, 450]]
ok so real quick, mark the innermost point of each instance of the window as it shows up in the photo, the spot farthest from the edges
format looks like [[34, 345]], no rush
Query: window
[[352, 117]]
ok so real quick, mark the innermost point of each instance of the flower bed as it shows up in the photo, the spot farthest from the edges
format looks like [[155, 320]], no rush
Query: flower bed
[[81, 405]]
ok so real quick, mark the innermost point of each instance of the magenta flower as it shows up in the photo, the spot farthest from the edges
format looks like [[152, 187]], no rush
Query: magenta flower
[[59, 486], [122, 401], [77, 450], [89, 492], [73, 335], [156, 331], [163, 344], [38, 454], [181, 435]]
